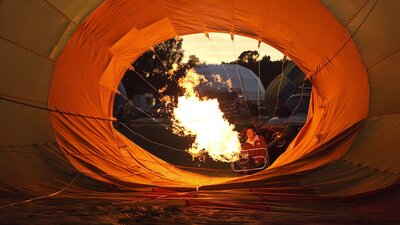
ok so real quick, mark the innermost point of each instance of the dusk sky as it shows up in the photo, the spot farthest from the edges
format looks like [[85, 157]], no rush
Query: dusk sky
[[199, 45]]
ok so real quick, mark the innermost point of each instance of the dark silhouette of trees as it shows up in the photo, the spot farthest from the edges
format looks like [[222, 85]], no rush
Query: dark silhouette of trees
[[154, 66], [267, 69], [193, 61], [249, 57]]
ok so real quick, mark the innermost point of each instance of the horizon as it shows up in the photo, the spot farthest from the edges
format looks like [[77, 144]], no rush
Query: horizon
[[220, 49]]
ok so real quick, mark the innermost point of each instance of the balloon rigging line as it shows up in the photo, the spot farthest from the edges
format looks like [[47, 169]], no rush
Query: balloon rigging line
[[24, 99], [78, 115], [166, 69], [91, 117], [226, 72], [73, 181], [302, 90], [46, 183], [141, 159], [130, 157], [55, 110], [344, 45], [88, 172], [3, 149], [45, 196], [164, 196], [193, 120], [148, 115], [295, 109], [135, 173], [205, 169], [26, 145], [153, 142], [279, 86], [62, 13], [134, 70], [259, 82], [382, 59], [240, 78], [27, 49], [273, 98], [158, 143]]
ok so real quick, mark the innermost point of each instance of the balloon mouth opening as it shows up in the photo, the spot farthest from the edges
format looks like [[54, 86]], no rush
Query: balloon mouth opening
[[103, 74], [148, 117]]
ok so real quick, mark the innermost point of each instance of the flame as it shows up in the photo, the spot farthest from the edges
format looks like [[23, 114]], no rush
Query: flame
[[218, 78], [203, 119], [173, 70], [230, 85], [163, 89], [166, 99], [175, 66]]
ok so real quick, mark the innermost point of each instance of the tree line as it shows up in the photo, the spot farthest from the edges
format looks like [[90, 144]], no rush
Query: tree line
[[154, 67]]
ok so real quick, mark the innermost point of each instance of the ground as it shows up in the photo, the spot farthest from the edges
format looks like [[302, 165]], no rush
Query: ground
[[204, 207], [286, 204]]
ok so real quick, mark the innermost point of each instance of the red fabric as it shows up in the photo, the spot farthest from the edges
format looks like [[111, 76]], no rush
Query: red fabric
[[258, 149]]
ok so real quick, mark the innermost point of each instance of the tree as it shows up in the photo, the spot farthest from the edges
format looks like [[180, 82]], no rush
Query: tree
[[266, 58], [193, 61], [248, 57], [153, 66], [266, 68]]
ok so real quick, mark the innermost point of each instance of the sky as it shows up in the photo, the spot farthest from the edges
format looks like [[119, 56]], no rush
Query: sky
[[220, 48]]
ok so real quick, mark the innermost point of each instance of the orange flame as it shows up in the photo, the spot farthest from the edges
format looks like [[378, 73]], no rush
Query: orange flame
[[230, 85], [203, 119], [173, 70]]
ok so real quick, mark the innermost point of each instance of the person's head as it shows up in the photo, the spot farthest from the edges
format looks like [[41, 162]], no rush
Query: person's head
[[251, 132]]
